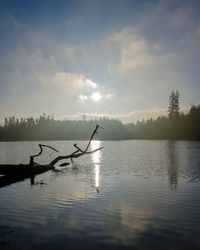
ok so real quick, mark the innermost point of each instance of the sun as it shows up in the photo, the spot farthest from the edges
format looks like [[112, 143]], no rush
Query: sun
[[96, 96]]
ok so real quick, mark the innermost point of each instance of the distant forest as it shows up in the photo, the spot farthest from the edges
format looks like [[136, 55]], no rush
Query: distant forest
[[175, 126]]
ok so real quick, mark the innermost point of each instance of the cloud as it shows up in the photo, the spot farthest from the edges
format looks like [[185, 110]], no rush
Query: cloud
[[90, 83], [139, 115], [134, 51], [32, 67], [156, 57], [83, 98], [133, 116], [30, 74], [109, 95], [67, 82], [136, 64]]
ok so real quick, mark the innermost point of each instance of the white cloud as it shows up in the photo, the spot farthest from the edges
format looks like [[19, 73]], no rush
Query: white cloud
[[109, 95], [134, 51], [133, 116], [90, 83], [68, 80], [83, 98], [32, 67], [139, 115]]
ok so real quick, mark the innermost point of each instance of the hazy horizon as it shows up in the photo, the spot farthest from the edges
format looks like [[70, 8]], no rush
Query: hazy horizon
[[131, 117]]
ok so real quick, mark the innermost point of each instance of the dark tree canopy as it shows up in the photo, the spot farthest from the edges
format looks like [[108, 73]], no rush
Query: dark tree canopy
[[173, 109]]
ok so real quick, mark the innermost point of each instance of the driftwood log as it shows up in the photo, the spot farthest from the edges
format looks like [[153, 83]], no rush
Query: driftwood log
[[77, 153], [17, 172]]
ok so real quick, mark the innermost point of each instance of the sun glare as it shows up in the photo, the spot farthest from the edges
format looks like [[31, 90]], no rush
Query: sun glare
[[96, 96]]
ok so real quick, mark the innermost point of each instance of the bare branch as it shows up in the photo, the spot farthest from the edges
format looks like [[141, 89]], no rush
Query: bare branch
[[93, 151], [79, 152], [79, 149], [93, 134], [41, 150]]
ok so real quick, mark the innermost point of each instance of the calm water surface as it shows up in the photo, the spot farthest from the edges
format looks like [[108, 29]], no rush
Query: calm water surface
[[131, 195]]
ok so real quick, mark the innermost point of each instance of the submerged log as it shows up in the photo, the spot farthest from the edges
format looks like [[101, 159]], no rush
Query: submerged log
[[23, 169], [13, 173], [17, 172]]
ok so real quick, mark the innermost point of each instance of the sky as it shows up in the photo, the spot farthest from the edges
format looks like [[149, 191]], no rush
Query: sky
[[114, 58]]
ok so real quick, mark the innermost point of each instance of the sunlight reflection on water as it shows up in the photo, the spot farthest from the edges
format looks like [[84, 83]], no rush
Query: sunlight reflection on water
[[96, 159]]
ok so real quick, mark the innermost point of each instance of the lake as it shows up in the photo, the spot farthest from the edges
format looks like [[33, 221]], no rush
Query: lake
[[131, 195]]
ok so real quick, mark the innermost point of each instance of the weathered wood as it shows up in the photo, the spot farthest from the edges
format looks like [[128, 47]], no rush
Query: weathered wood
[[41, 150], [17, 172], [79, 152], [20, 169], [13, 173]]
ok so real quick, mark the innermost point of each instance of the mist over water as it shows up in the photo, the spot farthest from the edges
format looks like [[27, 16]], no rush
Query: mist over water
[[131, 195]]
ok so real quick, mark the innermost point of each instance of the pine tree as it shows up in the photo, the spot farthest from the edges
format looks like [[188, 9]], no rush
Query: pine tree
[[173, 109]]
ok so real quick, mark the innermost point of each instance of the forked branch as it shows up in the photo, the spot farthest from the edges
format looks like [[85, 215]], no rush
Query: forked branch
[[41, 150], [79, 152]]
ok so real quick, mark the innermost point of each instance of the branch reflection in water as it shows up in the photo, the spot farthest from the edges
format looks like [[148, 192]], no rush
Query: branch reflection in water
[[96, 160]]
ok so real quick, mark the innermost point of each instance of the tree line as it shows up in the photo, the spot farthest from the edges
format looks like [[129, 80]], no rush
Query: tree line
[[47, 128], [176, 125]]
